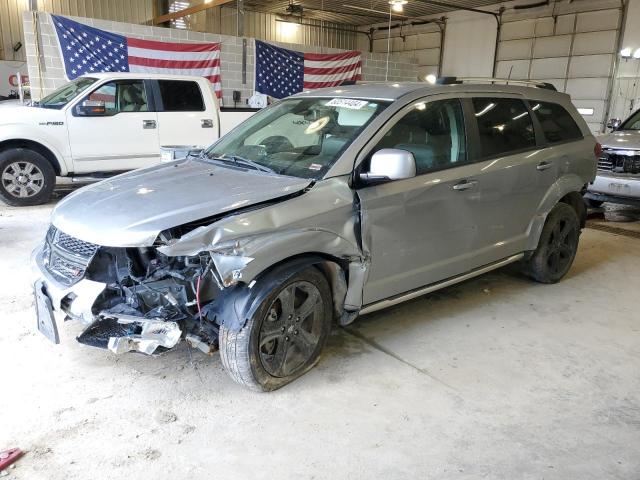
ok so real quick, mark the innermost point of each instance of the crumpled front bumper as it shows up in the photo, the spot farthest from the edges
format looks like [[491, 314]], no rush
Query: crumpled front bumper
[[74, 301], [118, 332], [609, 187]]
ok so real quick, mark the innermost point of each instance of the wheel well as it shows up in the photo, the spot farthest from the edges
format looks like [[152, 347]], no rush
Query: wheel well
[[335, 270], [36, 147], [574, 200]]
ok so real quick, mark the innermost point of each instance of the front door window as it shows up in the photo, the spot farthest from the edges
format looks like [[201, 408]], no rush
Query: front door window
[[433, 132]]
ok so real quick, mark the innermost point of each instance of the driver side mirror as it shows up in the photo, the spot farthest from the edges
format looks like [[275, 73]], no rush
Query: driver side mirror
[[91, 108], [389, 164]]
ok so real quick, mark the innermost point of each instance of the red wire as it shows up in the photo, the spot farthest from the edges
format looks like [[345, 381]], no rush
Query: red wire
[[198, 297]]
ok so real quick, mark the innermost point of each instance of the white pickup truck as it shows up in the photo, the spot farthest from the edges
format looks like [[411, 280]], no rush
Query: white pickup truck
[[99, 125]]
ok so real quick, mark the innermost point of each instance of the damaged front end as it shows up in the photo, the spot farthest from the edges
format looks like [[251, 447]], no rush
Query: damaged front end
[[131, 299], [197, 277]]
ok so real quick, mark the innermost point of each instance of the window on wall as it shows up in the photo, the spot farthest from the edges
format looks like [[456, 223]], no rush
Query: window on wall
[[504, 125], [180, 96], [433, 132], [556, 123], [176, 7]]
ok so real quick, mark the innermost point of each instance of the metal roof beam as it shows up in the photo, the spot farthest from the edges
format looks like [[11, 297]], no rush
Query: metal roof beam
[[188, 11]]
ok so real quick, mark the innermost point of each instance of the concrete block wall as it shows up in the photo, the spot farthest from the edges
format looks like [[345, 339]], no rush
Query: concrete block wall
[[422, 43], [46, 71]]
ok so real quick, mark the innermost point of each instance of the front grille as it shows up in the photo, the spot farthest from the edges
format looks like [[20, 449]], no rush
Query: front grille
[[65, 269], [75, 246], [66, 258], [620, 161]]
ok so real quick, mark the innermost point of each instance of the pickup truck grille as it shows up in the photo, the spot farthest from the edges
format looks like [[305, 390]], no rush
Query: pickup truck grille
[[620, 161], [66, 258]]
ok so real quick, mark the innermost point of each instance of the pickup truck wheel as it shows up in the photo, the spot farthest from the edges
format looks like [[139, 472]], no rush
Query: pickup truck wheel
[[557, 246], [285, 336], [26, 177]]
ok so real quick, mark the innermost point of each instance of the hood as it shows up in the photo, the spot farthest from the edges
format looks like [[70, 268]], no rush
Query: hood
[[14, 112], [622, 139], [10, 103], [130, 210]]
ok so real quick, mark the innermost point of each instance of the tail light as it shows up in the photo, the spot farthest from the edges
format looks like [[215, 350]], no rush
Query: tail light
[[597, 150]]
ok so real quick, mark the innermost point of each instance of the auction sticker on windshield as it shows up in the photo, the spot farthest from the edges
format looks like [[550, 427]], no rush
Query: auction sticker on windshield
[[347, 103]]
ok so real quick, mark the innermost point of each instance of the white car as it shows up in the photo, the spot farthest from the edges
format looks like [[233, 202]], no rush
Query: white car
[[99, 125], [618, 178]]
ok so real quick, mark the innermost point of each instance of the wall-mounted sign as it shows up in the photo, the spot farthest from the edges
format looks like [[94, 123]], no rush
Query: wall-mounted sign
[[9, 76]]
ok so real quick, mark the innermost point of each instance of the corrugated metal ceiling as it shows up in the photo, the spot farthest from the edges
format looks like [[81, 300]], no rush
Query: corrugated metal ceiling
[[360, 12]]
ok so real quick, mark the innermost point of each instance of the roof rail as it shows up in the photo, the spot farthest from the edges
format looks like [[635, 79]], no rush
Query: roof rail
[[506, 81]]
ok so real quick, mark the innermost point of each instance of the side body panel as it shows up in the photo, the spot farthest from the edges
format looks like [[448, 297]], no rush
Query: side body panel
[[45, 127], [116, 143], [510, 185], [324, 220], [119, 142], [196, 128], [418, 231], [230, 119]]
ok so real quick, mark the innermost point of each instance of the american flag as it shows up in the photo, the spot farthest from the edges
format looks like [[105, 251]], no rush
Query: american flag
[[87, 50], [281, 72]]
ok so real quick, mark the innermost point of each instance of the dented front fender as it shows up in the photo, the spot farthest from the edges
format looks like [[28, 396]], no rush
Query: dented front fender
[[244, 245]]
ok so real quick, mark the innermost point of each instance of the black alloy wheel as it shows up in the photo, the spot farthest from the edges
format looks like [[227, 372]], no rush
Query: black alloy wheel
[[291, 330]]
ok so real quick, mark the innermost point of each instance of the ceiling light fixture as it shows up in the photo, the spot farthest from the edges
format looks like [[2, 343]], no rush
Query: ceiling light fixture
[[397, 5], [288, 30], [373, 11], [625, 52], [431, 78]]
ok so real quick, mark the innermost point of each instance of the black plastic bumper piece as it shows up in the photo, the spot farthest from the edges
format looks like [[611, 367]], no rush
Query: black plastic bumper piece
[[98, 333]]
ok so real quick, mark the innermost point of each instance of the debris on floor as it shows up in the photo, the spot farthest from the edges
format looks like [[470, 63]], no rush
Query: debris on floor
[[166, 417], [7, 457]]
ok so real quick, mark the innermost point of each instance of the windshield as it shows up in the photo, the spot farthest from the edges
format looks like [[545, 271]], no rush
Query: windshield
[[300, 137], [64, 95], [631, 123]]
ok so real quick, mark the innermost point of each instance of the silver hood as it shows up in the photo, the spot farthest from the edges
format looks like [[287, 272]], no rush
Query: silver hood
[[622, 139], [130, 210]]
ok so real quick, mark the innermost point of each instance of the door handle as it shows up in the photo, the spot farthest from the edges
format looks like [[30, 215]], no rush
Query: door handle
[[465, 185], [149, 124], [206, 123], [544, 166]]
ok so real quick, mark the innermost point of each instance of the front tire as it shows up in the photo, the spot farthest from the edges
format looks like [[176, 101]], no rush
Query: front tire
[[26, 177], [557, 246], [284, 338]]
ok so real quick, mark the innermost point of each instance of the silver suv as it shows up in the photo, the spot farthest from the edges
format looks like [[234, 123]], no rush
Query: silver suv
[[325, 206], [618, 177]]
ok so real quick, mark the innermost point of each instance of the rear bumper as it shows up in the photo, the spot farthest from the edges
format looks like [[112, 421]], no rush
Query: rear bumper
[[615, 188]]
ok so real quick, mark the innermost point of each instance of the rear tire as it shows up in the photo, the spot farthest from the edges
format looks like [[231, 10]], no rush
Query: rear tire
[[557, 246], [284, 338], [26, 177]]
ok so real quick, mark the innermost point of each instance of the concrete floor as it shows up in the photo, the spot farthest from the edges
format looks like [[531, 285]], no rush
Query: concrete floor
[[496, 378]]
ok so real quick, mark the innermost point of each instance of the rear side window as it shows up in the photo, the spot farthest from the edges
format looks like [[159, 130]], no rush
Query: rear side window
[[504, 125], [180, 96], [556, 123]]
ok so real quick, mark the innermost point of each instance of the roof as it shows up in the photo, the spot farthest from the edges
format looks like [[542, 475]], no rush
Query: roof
[[362, 12], [143, 75], [394, 90], [369, 90]]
